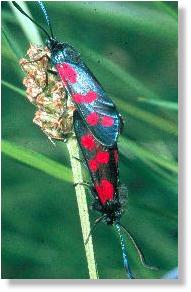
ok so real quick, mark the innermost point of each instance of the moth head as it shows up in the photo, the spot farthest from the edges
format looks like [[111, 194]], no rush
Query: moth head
[[63, 51], [53, 44]]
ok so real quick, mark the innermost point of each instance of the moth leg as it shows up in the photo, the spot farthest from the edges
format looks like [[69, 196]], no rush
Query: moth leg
[[89, 187], [39, 59], [85, 184], [80, 160], [52, 72]]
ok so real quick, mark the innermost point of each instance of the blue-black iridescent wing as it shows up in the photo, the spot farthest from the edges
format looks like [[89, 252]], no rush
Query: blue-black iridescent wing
[[94, 105], [102, 161]]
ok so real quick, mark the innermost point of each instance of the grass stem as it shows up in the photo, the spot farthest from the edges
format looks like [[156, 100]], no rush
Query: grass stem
[[82, 206]]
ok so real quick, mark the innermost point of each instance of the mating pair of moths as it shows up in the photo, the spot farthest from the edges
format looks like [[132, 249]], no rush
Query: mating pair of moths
[[97, 125]]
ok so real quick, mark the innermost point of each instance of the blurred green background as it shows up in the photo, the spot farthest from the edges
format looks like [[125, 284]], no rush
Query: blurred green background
[[132, 49]]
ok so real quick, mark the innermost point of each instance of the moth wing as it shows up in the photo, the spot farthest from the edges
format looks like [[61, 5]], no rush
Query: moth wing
[[94, 105], [102, 161]]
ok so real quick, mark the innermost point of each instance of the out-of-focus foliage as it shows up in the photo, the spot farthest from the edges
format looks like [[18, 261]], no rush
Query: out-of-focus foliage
[[132, 49]]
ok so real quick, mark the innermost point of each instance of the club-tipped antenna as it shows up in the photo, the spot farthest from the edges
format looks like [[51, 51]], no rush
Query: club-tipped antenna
[[124, 253], [141, 256], [46, 17], [25, 14]]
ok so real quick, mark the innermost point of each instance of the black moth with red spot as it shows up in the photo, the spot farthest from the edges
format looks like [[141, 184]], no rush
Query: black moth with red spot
[[94, 106], [102, 163], [109, 195]]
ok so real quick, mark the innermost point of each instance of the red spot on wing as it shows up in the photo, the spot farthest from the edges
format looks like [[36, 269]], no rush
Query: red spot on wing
[[67, 72], [105, 190], [84, 98], [93, 165], [88, 142], [92, 119], [90, 96], [102, 157], [78, 98], [107, 121]]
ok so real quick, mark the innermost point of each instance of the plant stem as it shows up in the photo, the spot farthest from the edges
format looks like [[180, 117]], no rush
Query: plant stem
[[82, 206]]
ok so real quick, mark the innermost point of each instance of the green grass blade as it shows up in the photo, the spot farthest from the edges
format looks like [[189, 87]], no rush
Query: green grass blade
[[123, 75], [13, 87], [29, 29], [163, 104], [36, 160], [163, 175], [15, 50], [127, 16], [149, 118], [142, 153], [159, 212], [165, 7]]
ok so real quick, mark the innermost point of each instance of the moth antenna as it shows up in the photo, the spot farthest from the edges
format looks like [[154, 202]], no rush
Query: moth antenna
[[124, 253], [141, 256], [25, 14], [93, 227], [46, 17]]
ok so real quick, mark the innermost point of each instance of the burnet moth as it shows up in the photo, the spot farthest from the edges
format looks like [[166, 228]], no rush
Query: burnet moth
[[94, 105], [102, 164], [109, 195], [97, 125]]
